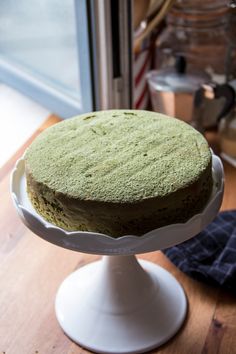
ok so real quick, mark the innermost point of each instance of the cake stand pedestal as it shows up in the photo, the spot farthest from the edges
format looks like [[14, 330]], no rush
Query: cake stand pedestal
[[119, 304]]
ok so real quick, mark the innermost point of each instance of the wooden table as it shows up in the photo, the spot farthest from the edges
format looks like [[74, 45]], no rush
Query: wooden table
[[32, 270]]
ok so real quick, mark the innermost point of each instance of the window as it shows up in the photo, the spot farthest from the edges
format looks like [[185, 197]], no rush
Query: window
[[44, 52], [71, 56]]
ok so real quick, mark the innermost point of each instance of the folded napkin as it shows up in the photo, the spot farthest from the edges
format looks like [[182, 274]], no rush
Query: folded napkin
[[211, 255]]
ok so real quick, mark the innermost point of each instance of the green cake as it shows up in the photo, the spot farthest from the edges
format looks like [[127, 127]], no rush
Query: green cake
[[118, 172]]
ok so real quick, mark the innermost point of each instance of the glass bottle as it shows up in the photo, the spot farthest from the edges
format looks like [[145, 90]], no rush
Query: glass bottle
[[197, 30]]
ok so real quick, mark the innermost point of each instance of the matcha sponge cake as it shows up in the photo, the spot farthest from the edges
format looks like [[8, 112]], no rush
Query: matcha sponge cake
[[118, 172]]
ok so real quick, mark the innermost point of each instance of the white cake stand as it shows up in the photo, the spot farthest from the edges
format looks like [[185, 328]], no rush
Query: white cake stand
[[119, 304]]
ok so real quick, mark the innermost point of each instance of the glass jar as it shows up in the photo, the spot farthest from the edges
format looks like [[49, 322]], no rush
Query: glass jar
[[231, 36], [197, 30]]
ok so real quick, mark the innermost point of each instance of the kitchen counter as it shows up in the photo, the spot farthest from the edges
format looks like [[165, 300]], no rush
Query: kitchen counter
[[32, 270]]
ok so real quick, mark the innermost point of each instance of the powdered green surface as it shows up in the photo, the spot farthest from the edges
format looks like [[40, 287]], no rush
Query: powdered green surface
[[118, 156]]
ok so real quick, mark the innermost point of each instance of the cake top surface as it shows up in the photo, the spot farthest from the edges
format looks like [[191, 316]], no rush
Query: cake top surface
[[118, 156]]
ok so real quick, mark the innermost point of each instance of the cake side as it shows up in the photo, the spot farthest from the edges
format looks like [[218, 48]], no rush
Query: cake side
[[117, 219]]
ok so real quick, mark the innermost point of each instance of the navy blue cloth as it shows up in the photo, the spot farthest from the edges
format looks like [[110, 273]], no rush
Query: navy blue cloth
[[211, 255]]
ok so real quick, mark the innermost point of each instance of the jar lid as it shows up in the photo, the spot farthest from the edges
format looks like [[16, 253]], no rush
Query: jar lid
[[170, 80]]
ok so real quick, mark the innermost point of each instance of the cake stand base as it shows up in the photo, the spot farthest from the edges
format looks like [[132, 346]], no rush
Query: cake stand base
[[119, 305]]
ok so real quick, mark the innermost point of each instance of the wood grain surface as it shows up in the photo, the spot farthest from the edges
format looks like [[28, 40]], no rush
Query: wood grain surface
[[32, 270]]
